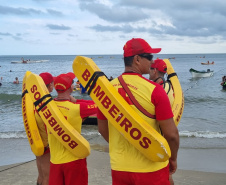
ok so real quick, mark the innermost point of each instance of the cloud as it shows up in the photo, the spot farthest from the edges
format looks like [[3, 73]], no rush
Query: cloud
[[58, 27], [42, 0], [54, 12], [71, 35], [55, 33], [126, 28], [170, 23], [142, 4], [6, 34], [15, 37], [101, 28], [27, 11], [113, 14], [18, 11], [175, 18]]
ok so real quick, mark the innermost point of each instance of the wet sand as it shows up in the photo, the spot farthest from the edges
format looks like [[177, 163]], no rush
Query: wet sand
[[100, 173]]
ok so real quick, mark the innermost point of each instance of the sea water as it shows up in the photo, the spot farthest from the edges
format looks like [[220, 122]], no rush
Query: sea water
[[203, 124]]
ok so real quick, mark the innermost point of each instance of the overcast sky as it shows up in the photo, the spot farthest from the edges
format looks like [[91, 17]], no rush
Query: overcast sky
[[49, 27]]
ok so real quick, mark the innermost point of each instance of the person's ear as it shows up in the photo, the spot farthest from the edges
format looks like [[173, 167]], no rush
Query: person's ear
[[156, 71], [136, 59]]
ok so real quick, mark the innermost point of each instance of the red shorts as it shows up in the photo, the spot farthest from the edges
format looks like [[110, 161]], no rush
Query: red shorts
[[71, 173], [160, 177]]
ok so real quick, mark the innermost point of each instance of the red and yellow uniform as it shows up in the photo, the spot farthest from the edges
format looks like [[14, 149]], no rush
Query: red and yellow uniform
[[74, 113], [66, 168], [124, 156]]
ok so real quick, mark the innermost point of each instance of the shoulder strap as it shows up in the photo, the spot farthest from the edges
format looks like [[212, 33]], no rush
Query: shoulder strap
[[170, 86], [132, 98], [162, 80]]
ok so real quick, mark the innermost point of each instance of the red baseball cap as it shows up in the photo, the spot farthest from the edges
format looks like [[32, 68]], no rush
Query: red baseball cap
[[47, 77], [63, 82], [160, 65], [138, 46]]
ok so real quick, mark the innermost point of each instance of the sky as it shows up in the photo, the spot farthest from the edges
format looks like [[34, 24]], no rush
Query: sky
[[89, 27]]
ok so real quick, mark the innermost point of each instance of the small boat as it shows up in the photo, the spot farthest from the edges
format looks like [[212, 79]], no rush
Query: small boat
[[201, 74], [27, 61], [207, 63]]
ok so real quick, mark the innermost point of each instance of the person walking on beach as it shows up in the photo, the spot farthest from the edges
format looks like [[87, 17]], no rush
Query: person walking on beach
[[157, 72], [65, 167], [129, 166], [43, 162]]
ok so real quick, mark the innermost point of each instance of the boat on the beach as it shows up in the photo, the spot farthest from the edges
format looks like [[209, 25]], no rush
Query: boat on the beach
[[200, 74], [207, 63]]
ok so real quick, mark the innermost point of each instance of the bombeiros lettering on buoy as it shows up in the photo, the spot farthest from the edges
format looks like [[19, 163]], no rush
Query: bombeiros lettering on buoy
[[52, 121], [25, 120], [114, 111], [120, 114], [26, 126], [37, 93], [30, 125]]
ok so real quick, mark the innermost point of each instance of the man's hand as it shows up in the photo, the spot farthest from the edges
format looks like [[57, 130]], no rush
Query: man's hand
[[172, 166]]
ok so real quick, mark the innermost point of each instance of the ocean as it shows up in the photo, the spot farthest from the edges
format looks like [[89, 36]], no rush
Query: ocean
[[202, 127]]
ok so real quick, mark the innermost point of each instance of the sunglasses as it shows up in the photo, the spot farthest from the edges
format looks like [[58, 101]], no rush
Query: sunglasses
[[147, 56]]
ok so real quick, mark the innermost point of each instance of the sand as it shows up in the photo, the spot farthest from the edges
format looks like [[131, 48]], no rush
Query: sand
[[100, 173]]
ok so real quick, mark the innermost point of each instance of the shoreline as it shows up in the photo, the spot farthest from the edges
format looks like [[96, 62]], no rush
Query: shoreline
[[15, 151], [99, 170]]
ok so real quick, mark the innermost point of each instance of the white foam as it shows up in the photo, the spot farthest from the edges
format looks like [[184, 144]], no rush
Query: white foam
[[203, 134], [11, 135]]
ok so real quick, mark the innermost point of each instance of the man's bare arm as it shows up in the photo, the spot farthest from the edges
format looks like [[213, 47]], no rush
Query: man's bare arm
[[103, 128], [170, 132]]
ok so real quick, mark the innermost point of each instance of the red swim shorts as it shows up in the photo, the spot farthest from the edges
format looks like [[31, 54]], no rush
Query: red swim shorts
[[160, 177], [74, 172]]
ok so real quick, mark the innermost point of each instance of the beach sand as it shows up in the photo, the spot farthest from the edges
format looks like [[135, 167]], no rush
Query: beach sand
[[100, 173]]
